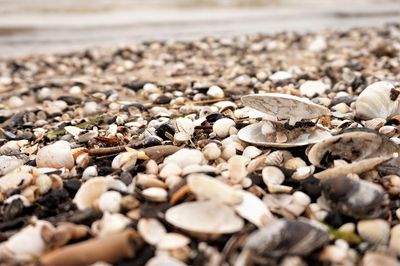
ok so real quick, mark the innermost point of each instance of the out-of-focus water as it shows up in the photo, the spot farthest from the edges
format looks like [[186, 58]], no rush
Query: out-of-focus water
[[41, 26]]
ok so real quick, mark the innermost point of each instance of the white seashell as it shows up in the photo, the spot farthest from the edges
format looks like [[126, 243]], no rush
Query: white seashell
[[172, 241], [303, 172], [237, 168], [256, 163], [181, 137], [301, 198], [294, 163], [110, 223], [215, 92], [15, 101], [170, 169], [185, 157], [173, 181], [9, 163], [149, 181], [44, 183], [204, 217], [284, 106], [191, 169], [151, 230], [90, 191], [375, 123], [112, 130], [211, 151], [377, 258], [19, 178], [280, 76], [267, 128], [272, 175], [221, 127], [151, 167], [163, 260], [56, 155], [312, 88], [228, 151], [253, 209], [394, 243], [90, 172], [155, 194], [74, 131], [125, 161], [90, 108], [275, 158], [205, 187], [251, 152], [375, 231], [388, 131], [333, 254], [32, 234], [341, 108], [185, 125], [110, 201], [375, 101]]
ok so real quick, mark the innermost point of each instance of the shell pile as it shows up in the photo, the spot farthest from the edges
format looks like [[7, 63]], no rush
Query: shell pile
[[256, 150]]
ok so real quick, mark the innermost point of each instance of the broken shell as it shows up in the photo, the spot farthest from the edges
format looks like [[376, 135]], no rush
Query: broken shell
[[155, 194], [284, 106], [170, 169], [272, 175], [355, 198], [221, 127], [90, 172], [275, 158], [253, 209], [375, 231], [151, 230], [378, 100], [251, 152], [125, 161], [90, 191], [185, 157], [252, 134], [205, 187], [185, 125], [110, 223], [19, 178], [9, 163], [237, 168], [56, 155], [286, 237], [204, 217], [351, 146], [110, 201]]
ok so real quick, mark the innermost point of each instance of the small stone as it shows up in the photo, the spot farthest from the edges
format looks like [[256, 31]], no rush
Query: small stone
[[185, 157], [155, 194], [251, 152], [90, 108], [211, 151], [312, 88], [221, 127], [272, 175], [215, 92], [110, 201], [170, 169], [280, 76]]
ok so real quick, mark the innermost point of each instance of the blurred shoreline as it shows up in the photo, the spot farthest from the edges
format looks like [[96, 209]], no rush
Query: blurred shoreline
[[40, 30]]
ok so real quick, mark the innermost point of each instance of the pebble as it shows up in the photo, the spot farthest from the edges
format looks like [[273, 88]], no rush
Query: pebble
[[185, 157], [110, 201], [155, 194], [312, 88], [222, 126], [170, 169], [215, 92], [211, 151], [237, 168], [272, 175]]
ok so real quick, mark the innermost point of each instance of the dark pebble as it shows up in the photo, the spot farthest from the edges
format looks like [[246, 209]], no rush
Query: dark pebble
[[72, 186], [53, 198], [13, 210], [214, 117], [70, 100], [165, 128], [152, 141], [162, 99]]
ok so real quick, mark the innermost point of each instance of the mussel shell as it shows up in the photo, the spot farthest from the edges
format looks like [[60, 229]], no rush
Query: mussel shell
[[252, 134], [352, 145], [355, 198], [286, 237]]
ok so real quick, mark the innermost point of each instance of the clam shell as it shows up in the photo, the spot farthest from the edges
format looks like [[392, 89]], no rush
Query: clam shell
[[252, 134], [253, 209], [90, 191], [56, 155], [375, 231], [378, 100], [284, 106], [351, 146], [204, 217], [151, 230]]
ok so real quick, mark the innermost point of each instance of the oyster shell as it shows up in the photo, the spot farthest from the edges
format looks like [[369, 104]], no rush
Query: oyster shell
[[286, 237], [378, 100]]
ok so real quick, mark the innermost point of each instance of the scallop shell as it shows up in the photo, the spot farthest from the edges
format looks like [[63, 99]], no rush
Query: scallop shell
[[375, 231], [252, 134], [284, 106], [204, 217], [378, 100], [351, 146], [286, 237]]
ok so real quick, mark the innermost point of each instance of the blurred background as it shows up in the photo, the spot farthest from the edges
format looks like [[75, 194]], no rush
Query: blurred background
[[42, 26]]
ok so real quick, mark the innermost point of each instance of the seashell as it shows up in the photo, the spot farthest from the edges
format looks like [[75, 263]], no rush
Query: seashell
[[155, 194], [109, 224], [251, 152], [256, 163], [204, 218], [275, 158], [180, 138], [23, 199], [74, 131], [394, 243], [284, 106], [185, 157], [90, 172], [172, 241], [237, 168], [252, 134], [304, 172], [253, 209], [151, 167], [381, 259], [272, 175], [90, 191], [161, 260], [9, 163], [185, 125], [294, 163], [333, 254], [351, 146], [125, 161], [280, 76], [19, 178], [228, 151], [311, 88], [222, 126], [285, 237], [149, 181], [378, 100], [375, 231], [356, 198], [170, 169], [31, 193], [211, 151], [82, 160], [208, 188], [32, 234], [151, 230], [110, 201], [215, 92], [191, 169], [375, 123], [267, 127], [388, 131], [56, 155]]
